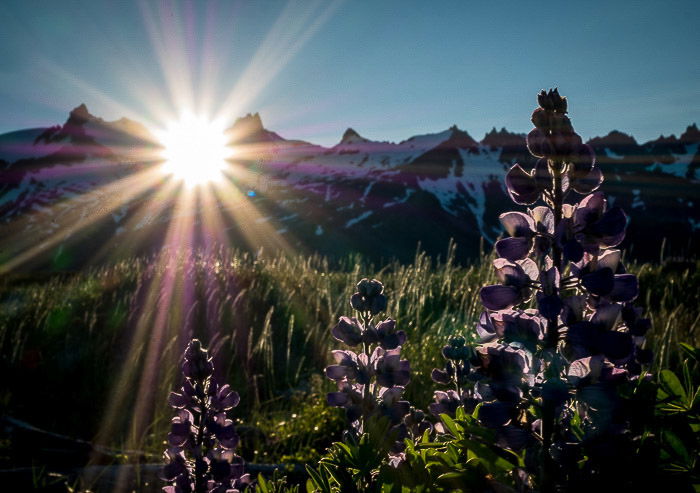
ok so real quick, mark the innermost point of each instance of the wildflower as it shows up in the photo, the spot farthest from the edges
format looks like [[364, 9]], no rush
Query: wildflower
[[369, 297], [521, 326], [516, 287], [390, 369], [371, 381], [348, 330], [595, 227], [202, 440]]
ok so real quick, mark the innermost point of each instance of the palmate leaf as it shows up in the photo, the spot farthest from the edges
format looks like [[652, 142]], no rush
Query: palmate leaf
[[672, 385], [671, 396], [677, 448], [675, 396]]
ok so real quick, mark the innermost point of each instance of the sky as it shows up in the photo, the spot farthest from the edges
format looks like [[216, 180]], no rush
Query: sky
[[388, 69]]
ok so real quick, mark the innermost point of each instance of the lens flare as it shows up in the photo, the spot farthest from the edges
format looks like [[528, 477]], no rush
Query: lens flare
[[195, 150]]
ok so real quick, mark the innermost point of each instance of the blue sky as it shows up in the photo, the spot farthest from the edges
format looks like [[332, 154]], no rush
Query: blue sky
[[389, 69]]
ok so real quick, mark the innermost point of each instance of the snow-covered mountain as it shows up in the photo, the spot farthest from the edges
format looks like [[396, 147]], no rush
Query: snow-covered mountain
[[89, 190]]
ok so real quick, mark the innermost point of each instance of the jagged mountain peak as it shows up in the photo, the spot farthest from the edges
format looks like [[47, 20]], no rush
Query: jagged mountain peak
[[350, 136], [79, 115], [502, 138], [249, 128], [459, 138], [691, 135], [614, 138], [251, 121]]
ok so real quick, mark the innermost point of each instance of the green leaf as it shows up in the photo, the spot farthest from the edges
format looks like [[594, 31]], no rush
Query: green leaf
[[263, 485], [450, 476], [677, 446], [319, 479], [672, 385], [450, 425]]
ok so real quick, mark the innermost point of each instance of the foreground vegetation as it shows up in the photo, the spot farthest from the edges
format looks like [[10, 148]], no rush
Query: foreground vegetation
[[74, 338], [560, 385]]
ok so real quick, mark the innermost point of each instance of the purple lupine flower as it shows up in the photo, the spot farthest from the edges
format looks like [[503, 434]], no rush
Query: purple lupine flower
[[202, 440], [352, 332], [521, 228], [350, 366], [369, 297], [585, 337], [387, 335], [596, 227], [456, 370], [604, 276], [601, 335], [503, 363], [350, 397], [521, 326], [549, 303], [349, 331], [371, 381], [390, 369], [445, 403], [516, 278]]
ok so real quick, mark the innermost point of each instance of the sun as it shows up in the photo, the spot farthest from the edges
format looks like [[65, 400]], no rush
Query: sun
[[195, 150]]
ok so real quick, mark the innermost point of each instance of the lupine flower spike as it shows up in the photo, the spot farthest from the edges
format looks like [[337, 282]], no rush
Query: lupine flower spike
[[201, 454]]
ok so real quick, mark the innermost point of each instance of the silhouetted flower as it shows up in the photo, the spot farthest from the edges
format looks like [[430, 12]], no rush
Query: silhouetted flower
[[600, 335], [521, 228], [348, 330], [562, 252], [369, 297], [516, 287], [370, 382], [202, 439], [350, 366], [445, 403], [390, 369], [522, 326], [387, 335], [349, 396], [604, 276], [595, 227]]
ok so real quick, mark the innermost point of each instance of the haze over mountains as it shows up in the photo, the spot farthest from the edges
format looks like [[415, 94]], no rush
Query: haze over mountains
[[75, 194]]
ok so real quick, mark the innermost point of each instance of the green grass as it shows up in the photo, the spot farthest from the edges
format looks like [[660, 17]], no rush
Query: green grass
[[83, 338]]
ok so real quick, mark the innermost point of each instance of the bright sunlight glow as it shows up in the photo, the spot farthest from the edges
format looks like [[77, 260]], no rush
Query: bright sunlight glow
[[195, 150]]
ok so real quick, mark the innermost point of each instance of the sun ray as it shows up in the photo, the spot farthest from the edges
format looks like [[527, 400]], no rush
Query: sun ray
[[158, 322], [294, 27], [25, 248]]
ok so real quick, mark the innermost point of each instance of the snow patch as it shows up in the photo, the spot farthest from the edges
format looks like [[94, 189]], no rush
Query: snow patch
[[409, 192], [479, 170], [359, 218], [637, 202], [680, 165]]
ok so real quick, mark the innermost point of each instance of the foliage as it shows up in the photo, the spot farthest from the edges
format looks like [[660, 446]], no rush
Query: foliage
[[555, 394], [70, 336]]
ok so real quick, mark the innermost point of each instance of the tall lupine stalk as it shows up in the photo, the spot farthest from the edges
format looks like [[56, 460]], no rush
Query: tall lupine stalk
[[202, 441], [569, 355], [371, 382]]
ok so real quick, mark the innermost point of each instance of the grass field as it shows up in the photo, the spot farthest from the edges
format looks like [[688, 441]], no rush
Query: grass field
[[94, 354]]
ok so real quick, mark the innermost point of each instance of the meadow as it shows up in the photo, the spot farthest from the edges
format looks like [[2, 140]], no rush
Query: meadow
[[94, 354]]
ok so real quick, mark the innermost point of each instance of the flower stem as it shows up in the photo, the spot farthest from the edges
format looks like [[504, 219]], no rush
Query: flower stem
[[551, 340], [200, 477]]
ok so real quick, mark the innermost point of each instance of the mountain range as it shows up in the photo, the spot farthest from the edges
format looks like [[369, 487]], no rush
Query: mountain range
[[88, 191]]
